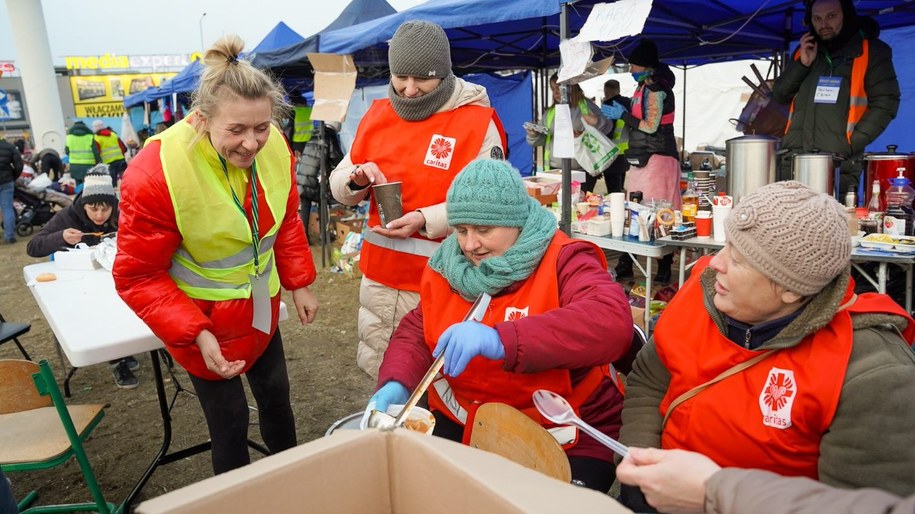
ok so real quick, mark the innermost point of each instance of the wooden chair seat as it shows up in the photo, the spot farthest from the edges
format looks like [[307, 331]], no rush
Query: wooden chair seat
[[37, 435]]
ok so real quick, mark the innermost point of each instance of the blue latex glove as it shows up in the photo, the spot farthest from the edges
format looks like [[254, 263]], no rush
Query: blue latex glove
[[612, 111], [466, 340], [391, 393]]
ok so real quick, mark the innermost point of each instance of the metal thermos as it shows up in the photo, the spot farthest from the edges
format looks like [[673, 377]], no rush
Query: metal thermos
[[817, 170], [751, 164]]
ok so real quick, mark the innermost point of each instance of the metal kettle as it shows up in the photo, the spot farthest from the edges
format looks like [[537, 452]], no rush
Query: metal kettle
[[750, 163], [816, 169]]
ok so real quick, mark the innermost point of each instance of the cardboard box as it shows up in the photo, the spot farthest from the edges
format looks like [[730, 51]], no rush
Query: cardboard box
[[335, 81], [577, 175], [373, 471], [543, 185], [78, 259], [545, 200], [638, 316], [347, 225], [314, 225]]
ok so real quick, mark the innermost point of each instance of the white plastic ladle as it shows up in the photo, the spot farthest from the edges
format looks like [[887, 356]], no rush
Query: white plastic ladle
[[556, 409]]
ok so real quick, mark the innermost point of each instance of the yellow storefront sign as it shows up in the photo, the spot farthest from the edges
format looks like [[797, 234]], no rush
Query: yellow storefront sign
[[103, 95]]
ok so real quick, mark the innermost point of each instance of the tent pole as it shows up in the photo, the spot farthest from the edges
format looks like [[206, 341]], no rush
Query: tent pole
[[566, 209], [322, 201], [683, 116]]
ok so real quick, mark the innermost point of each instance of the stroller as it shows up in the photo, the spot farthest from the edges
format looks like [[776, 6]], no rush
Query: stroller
[[35, 210]]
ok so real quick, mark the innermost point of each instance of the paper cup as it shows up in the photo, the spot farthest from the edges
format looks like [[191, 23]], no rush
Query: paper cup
[[703, 224], [719, 214], [389, 201]]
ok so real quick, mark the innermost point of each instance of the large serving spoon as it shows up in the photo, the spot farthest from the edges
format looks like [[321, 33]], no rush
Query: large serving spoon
[[556, 409], [379, 419]]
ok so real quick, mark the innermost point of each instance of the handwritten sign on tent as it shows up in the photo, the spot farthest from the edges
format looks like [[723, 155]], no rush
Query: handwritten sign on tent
[[335, 80], [609, 22]]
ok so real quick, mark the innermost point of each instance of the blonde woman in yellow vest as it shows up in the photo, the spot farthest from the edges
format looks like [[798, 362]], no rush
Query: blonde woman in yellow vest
[[209, 233]]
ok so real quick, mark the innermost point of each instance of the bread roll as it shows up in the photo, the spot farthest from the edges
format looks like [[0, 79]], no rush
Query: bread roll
[[46, 277]]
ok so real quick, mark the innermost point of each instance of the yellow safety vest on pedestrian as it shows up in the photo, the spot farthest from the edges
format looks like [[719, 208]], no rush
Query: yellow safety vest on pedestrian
[[109, 148], [216, 258], [304, 127], [548, 121], [81, 149]]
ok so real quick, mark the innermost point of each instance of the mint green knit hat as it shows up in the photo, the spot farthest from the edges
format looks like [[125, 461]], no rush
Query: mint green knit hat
[[489, 192]]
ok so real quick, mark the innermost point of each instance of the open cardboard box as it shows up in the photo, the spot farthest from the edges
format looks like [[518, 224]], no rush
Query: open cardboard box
[[376, 471]]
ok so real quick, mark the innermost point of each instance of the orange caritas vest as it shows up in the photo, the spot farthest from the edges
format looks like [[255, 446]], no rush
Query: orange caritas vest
[[485, 380], [857, 96], [770, 416], [425, 156]]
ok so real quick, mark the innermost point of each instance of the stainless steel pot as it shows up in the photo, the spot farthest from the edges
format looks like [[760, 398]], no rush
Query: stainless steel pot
[[750, 164], [817, 170]]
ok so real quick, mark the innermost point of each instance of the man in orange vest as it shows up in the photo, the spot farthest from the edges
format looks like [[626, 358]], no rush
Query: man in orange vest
[[766, 358], [825, 85], [431, 125]]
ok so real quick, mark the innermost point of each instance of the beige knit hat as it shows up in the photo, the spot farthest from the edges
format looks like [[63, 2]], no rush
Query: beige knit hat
[[791, 234]]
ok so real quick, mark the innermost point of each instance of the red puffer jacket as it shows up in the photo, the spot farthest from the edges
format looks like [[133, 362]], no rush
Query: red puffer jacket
[[148, 237]]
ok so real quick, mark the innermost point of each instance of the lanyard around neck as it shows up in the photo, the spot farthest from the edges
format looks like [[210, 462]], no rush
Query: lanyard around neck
[[255, 237]]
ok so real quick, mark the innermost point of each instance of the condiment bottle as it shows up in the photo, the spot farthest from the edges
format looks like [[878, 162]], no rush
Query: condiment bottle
[[690, 199]]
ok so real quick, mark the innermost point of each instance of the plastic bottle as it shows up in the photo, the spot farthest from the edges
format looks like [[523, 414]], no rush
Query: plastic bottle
[[873, 223], [899, 215], [635, 197], [690, 199]]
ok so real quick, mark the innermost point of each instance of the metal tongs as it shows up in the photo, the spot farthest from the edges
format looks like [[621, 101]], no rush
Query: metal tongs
[[379, 419]]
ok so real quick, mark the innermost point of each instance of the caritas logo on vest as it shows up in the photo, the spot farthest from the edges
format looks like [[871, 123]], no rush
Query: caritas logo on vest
[[440, 151], [777, 397]]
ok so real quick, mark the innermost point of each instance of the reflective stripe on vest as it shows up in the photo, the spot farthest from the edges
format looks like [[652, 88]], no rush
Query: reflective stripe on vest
[[303, 127], [216, 256], [81, 148], [620, 135], [548, 121], [109, 148], [857, 96], [411, 245]]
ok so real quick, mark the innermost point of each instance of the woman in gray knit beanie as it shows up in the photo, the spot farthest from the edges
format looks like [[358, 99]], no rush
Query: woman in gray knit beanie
[[768, 359], [430, 126], [538, 331]]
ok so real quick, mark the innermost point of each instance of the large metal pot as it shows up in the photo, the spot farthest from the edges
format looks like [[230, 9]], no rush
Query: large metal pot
[[750, 164], [817, 170], [883, 166]]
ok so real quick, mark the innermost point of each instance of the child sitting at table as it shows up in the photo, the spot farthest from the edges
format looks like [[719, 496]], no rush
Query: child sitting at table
[[91, 217]]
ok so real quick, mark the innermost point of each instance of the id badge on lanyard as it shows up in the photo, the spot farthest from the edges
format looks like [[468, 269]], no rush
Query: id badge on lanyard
[[827, 90]]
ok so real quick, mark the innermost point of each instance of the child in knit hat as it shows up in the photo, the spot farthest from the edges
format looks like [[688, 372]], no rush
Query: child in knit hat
[[767, 359], [93, 216], [538, 331]]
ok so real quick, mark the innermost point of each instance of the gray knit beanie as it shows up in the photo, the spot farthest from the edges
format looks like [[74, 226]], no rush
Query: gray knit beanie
[[97, 187], [490, 193], [420, 49], [792, 234]]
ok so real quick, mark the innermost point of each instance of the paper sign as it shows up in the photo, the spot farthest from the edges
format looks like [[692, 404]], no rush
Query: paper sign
[[609, 22], [595, 69], [575, 55], [335, 80], [563, 146]]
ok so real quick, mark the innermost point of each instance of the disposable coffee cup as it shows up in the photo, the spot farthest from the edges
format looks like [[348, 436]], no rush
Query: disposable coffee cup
[[719, 214], [389, 201], [703, 224]]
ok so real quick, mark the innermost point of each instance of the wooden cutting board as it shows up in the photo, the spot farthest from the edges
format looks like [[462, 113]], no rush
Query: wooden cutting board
[[506, 431]]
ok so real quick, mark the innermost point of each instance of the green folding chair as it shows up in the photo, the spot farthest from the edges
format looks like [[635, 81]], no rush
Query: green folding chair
[[38, 430]]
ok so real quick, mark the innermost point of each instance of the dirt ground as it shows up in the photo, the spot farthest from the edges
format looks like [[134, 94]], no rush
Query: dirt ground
[[325, 381]]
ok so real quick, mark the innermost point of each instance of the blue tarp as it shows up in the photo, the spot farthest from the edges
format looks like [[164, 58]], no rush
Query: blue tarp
[[511, 98], [357, 12]]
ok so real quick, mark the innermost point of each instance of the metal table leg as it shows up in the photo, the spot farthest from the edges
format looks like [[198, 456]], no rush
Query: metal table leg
[[682, 276], [881, 278]]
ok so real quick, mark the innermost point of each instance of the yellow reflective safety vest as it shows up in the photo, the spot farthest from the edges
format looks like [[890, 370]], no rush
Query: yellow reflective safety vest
[[304, 127], [548, 121], [216, 256], [81, 149], [109, 148]]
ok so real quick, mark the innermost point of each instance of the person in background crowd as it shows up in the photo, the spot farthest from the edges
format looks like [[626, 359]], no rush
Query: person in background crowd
[[709, 488], [613, 107], [652, 152], [112, 150], [583, 111], [301, 127], [10, 168], [48, 161], [83, 151], [209, 233], [308, 167], [24, 150], [92, 217], [541, 282], [791, 360], [842, 62], [430, 126]]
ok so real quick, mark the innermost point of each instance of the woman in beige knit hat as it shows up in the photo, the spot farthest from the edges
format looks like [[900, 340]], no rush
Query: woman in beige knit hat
[[768, 359]]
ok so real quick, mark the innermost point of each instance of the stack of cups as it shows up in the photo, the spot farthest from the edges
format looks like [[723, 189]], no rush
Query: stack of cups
[[617, 214], [721, 209]]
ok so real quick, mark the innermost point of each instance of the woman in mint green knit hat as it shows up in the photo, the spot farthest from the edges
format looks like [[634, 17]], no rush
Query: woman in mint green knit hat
[[555, 321]]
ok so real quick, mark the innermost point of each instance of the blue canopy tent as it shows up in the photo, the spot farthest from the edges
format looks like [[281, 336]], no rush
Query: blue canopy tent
[[281, 36]]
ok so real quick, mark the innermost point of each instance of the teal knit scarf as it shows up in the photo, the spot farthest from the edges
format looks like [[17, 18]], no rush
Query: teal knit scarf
[[496, 273]]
